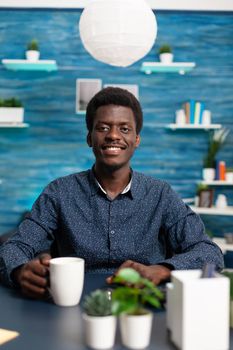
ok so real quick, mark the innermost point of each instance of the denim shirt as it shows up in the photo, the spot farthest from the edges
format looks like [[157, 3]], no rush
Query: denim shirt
[[149, 224]]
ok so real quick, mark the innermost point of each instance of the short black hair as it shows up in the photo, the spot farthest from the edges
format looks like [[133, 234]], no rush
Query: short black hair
[[114, 96]]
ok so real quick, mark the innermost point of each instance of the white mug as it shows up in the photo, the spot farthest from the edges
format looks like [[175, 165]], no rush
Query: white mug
[[180, 117], [66, 280], [206, 117]]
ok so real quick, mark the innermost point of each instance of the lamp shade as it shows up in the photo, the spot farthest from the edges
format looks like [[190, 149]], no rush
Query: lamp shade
[[118, 32]]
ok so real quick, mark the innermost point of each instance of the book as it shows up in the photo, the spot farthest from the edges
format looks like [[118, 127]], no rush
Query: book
[[222, 170], [186, 108], [192, 111], [197, 112]]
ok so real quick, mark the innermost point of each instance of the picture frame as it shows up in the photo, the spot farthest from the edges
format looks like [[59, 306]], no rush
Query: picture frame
[[206, 198]]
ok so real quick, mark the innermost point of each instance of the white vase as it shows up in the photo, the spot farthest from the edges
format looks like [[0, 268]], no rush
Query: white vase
[[208, 174], [136, 330], [166, 57], [32, 55], [11, 114], [229, 177], [100, 331]]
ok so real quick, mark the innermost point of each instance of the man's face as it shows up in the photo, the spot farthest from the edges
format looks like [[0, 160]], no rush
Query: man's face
[[113, 137]]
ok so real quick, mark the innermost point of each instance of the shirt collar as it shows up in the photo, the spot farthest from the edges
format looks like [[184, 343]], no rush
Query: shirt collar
[[95, 185]]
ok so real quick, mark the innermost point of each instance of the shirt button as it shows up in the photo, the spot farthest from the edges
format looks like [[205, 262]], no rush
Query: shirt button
[[112, 232]]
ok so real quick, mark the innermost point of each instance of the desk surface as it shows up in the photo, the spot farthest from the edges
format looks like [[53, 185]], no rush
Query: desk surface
[[45, 325]]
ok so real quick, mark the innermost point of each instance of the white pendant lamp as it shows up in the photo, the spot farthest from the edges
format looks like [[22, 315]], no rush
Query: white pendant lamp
[[118, 32]]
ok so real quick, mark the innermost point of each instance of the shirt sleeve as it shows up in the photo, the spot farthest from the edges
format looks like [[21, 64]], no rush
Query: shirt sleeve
[[34, 235], [185, 235]]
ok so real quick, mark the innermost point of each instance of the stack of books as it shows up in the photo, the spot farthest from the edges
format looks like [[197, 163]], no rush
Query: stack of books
[[193, 111]]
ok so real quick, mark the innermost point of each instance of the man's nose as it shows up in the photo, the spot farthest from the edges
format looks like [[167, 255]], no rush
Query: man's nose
[[113, 133]]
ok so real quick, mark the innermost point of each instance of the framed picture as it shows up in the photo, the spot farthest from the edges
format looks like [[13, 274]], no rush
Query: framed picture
[[85, 90], [206, 198]]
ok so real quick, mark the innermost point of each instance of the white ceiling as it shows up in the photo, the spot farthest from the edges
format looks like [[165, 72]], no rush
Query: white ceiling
[[205, 5]]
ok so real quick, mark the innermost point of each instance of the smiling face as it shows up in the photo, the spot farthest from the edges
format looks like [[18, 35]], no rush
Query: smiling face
[[113, 137]]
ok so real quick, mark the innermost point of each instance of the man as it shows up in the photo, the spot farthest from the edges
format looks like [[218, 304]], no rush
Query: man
[[110, 215]]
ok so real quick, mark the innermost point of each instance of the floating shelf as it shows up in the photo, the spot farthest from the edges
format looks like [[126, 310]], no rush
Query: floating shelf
[[14, 125], [175, 67], [221, 242], [216, 183], [193, 126], [42, 65], [228, 211]]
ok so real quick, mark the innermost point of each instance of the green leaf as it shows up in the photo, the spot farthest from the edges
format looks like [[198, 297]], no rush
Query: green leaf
[[129, 275]]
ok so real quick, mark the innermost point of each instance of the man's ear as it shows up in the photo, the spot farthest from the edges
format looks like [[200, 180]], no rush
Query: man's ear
[[89, 140], [138, 139]]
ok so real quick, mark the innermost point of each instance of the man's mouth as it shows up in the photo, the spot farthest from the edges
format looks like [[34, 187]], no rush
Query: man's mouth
[[113, 149]]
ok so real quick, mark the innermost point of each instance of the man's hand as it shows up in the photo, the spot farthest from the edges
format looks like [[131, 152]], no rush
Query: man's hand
[[32, 277], [155, 273]]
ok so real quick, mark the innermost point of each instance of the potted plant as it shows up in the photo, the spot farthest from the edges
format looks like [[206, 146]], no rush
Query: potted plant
[[129, 301], [11, 110], [200, 187], [230, 276], [100, 324], [165, 54], [216, 141], [33, 53]]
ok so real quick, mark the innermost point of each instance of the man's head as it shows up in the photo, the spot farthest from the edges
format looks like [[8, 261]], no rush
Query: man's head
[[114, 96], [114, 120]]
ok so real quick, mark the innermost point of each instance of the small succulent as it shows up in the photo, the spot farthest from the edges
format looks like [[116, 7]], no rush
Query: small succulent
[[10, 102], [165, 49], [33, 45], [98, 303]]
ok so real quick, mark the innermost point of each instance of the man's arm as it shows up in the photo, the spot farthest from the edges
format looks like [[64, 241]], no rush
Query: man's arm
[[156, 273], [32, 277], [34, 235]]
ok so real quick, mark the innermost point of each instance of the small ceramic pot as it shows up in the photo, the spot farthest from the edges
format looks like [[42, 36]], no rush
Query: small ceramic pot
[[136, 330], [208, 174], [32, 55], [100, 331]]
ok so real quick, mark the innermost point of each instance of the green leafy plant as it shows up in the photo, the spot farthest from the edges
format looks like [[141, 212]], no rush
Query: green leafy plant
[[10, 102], [33, 45], [165, 49], [229, 170], [230, 276], [98, 303], [201, 187], [216, 141], [134, 293]]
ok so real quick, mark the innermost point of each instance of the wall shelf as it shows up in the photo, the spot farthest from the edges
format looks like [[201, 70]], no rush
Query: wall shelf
[[174, 67], [228, 211], [14, 125], [216, 183], [193, 126], [42, 65]]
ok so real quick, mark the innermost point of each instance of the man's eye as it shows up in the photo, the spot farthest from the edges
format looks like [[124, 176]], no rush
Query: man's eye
[[103, 128], [125, 130]]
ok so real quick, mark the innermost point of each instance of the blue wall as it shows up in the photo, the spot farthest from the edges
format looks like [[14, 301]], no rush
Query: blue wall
[[55, 144]]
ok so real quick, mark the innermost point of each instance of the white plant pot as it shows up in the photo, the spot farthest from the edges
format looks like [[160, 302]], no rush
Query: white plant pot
[[136, 330], [166, 58], [11, 114], [208, 174], [32, 55], [100, 331], [229, 177]]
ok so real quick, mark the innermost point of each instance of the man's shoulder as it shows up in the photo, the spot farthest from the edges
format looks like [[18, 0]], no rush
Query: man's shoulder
[[71, 179], [149, 180]]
